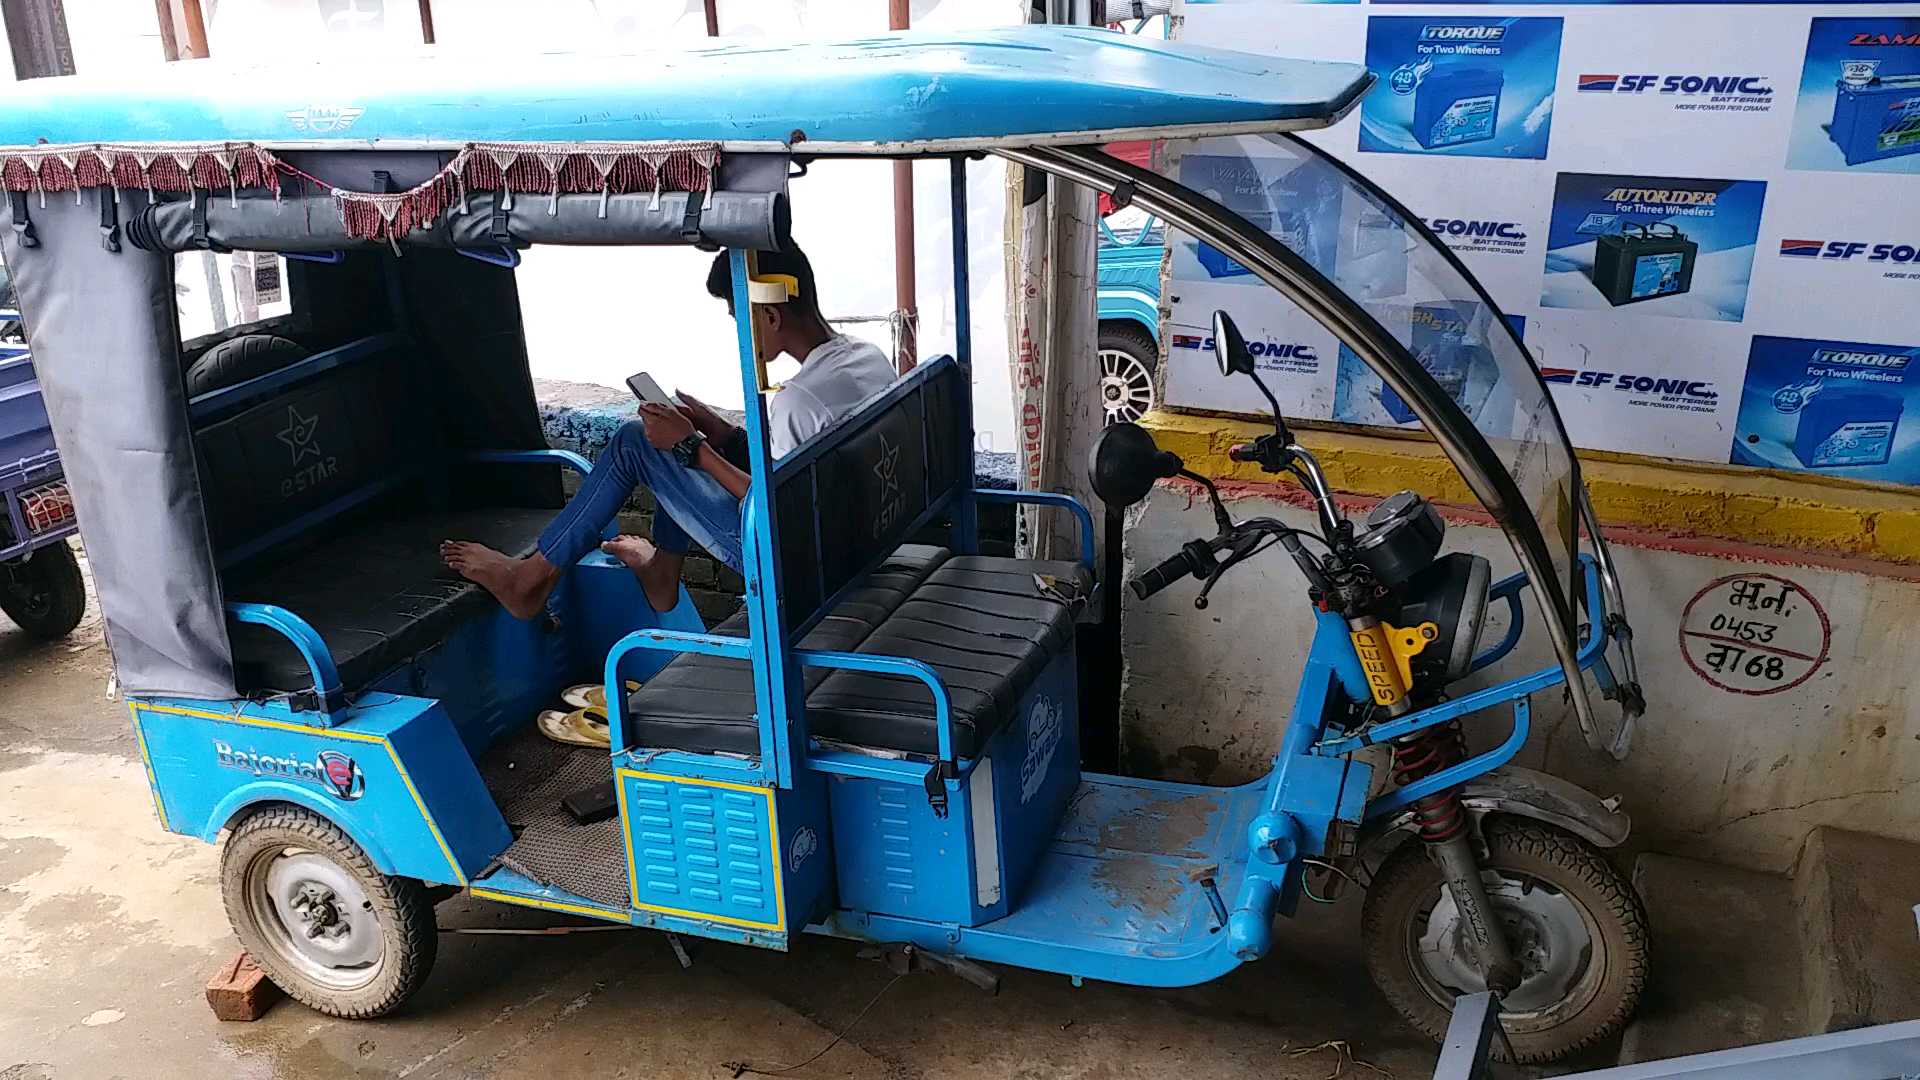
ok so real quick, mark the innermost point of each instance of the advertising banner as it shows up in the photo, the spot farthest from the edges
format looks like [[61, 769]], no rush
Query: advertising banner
[[1833, 407], [1703, 220], [1471, 86]]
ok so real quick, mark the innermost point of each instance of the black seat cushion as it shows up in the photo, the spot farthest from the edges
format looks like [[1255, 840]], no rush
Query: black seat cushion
[[375, 590], [706, 704], [985, 624]]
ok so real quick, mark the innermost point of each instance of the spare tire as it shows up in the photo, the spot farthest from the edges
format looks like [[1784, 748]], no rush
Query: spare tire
[[236, 360]]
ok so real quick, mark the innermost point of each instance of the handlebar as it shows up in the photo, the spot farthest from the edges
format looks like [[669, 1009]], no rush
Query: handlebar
[[1240, 540], [1195, 560]]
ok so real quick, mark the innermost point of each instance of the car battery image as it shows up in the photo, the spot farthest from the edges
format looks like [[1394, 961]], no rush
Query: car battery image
[[1456, 104], [1452, 353], [1842, 427], [1643, 262], [1876, 118]]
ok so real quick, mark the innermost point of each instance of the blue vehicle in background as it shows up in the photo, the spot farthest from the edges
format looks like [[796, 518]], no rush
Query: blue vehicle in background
[[40, 584], [1131, 246], [1132, 243]]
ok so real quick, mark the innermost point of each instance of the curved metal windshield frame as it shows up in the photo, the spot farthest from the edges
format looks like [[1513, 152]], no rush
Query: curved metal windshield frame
[[1314, 293]]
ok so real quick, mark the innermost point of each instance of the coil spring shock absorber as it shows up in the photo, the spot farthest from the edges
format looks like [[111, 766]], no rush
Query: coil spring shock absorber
[[1441, 816]]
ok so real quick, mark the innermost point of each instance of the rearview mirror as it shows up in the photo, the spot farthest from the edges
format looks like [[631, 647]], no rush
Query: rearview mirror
[[1230, 347], [1124, 464]]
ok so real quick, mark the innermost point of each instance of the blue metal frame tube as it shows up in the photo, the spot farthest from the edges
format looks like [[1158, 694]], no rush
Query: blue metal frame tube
[[1049, 498], [311, 646], [966, 512], [775, 679], [674, 641]]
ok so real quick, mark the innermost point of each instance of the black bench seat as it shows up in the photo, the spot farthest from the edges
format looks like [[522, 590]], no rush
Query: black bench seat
[[986, 625], [376, 592]]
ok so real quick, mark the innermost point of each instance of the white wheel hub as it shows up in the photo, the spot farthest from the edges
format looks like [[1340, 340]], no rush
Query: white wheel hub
[[1126, 386]]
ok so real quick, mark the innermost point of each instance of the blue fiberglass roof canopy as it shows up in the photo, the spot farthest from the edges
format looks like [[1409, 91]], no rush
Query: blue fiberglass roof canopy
[[893, 94]]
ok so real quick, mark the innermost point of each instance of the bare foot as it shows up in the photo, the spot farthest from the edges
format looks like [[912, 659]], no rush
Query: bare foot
[[658, 571], [521, 585]]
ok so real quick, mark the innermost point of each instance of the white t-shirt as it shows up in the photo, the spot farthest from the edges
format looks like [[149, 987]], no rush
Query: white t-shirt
[[837, 375]]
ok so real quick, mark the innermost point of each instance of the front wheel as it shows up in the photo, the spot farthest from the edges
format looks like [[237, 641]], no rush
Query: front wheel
[[320, 919], [1574, 923], [44, 592]]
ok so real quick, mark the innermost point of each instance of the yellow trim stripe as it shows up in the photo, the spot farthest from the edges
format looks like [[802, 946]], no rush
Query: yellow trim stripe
[[551, 905], [337, 733], [153, 781], [773, 840]]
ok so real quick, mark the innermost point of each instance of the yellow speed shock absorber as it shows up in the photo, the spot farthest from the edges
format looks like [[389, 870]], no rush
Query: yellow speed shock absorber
[[1386, 655]]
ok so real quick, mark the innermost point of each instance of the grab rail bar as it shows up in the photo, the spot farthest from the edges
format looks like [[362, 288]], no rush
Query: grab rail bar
[[1049, 498], [531, 457], [312, 647]]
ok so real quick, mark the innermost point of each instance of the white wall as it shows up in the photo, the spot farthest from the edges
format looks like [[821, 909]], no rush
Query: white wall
[[1735, 776]]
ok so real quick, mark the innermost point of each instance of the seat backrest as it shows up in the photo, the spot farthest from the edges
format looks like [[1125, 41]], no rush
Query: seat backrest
[[849, 496], [300, 444]]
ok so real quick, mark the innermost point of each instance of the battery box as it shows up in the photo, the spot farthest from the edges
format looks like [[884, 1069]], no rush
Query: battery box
[[1457, 103], [1878, 120], [1643, 262], [1841, 427]]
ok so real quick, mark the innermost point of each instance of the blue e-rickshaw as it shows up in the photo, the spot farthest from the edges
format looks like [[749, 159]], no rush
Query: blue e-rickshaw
[[884, 743]]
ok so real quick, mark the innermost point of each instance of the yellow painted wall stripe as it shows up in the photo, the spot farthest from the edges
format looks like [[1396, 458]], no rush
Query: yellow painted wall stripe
[[1748, 506], [773, 839], [459, 877]]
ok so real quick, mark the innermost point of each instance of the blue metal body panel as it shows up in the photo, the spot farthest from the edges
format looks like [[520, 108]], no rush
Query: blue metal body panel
[[393, 774], [1124, 892], [703, 849], [896, 856], [976, 87]]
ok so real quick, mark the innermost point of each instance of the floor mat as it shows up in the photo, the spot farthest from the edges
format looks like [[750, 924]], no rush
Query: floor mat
[[528, 775]]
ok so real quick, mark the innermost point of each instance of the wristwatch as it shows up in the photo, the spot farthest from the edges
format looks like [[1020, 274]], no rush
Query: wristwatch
[[685, 450]]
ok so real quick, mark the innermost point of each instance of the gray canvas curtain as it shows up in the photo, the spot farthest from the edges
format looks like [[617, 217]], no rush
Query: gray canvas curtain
[[106, 347]]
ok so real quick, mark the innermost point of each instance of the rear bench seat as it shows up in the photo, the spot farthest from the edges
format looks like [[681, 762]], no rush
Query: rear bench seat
[[983, 623], [334, 448], [844, 503]]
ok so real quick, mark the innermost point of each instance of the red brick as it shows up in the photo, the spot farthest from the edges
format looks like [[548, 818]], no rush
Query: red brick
[[240, 990]]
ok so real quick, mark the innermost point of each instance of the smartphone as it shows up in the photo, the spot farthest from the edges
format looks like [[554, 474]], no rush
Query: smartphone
[[646, 389]]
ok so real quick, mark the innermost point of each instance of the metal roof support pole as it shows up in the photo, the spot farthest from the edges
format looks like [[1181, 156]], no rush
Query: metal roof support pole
[[906, 300], [1056, 375]]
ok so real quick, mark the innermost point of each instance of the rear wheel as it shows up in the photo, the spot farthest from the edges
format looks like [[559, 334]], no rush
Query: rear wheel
[[44, 592], [1575, 925], [324, 924], [1128, 358]]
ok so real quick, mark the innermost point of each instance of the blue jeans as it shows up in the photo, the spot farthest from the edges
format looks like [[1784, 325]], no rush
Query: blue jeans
[[689, 504]]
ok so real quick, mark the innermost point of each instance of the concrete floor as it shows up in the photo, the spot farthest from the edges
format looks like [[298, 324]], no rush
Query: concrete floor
[[109, 929]]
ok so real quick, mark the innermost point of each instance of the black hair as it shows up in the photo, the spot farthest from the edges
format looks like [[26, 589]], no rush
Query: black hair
[[792, 261]]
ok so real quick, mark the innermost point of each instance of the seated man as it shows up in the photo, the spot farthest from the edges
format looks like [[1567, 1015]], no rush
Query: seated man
[[679, 454]]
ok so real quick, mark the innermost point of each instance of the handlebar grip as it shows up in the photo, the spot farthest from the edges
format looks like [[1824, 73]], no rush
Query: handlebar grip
[[1242, 452], [1169, 571]]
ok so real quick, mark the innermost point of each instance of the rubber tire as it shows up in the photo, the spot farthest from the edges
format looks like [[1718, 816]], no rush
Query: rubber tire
[[54, 569], [403, 905], [1409, 878], [1134, 340], [236, 360]]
